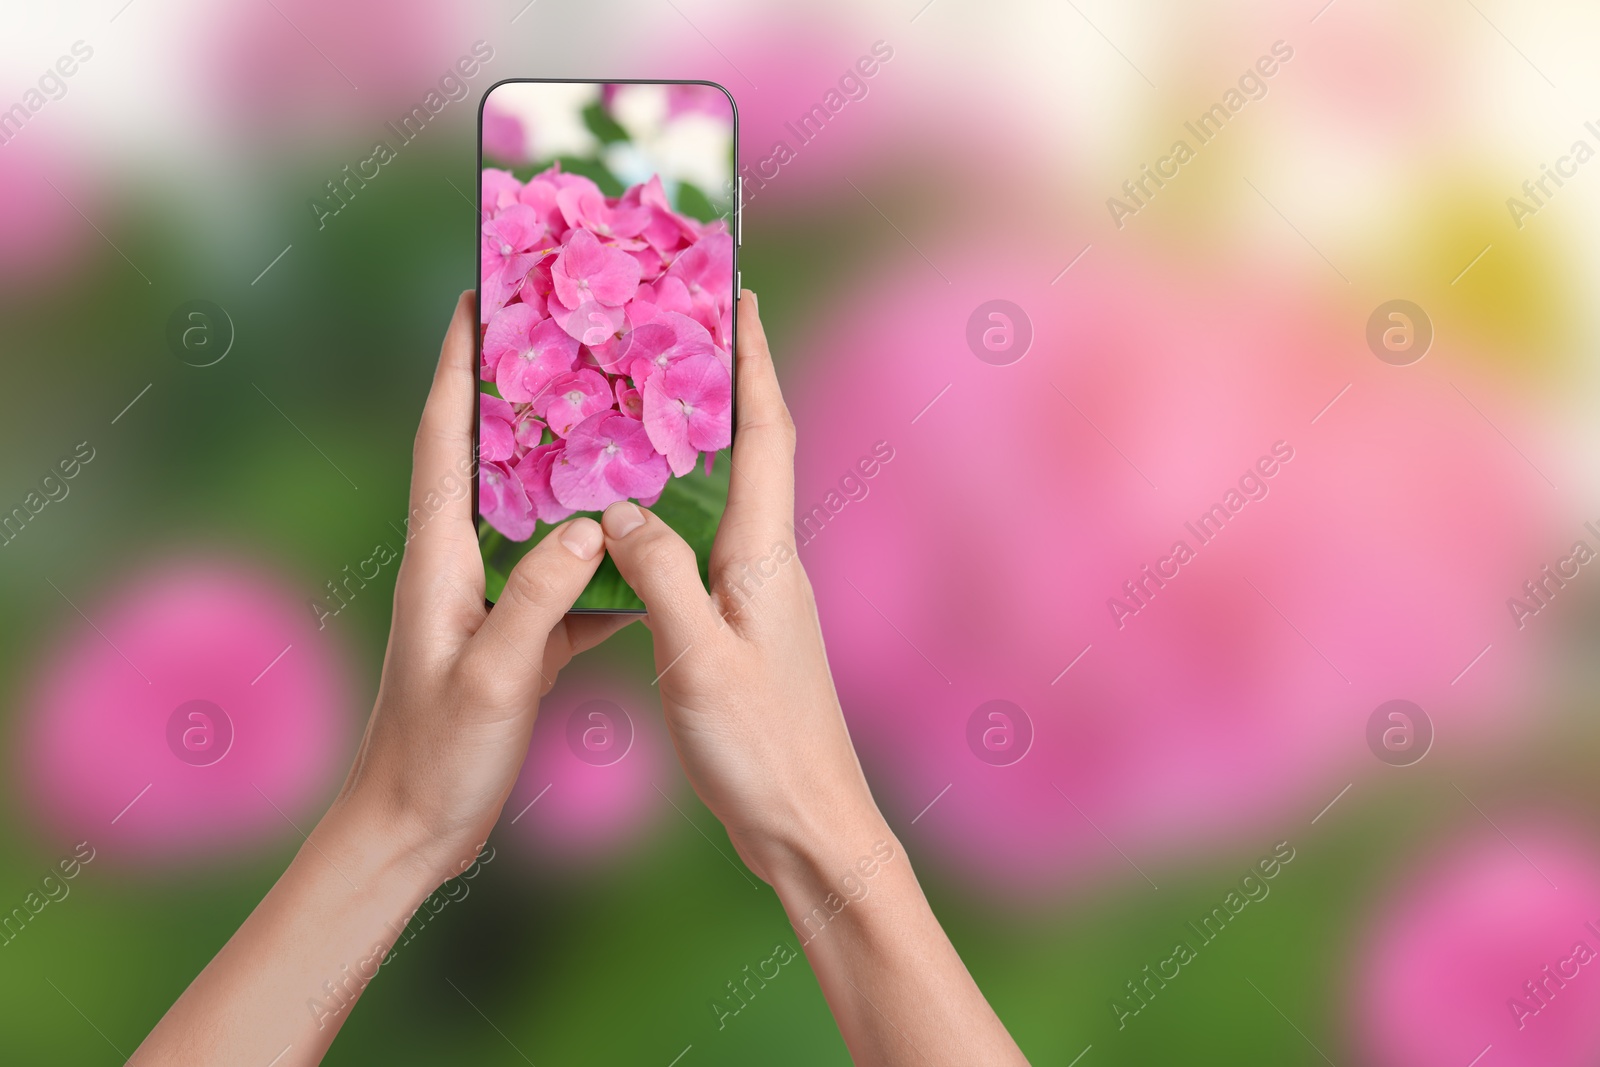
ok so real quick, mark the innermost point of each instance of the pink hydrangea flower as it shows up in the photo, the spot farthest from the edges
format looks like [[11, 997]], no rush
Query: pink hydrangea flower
[[588, 272], [588, 299], [529, 431], [572, 398], [608, 458], [688, 410], [669, 338], [528, 354], [614, 353], [112, 751]]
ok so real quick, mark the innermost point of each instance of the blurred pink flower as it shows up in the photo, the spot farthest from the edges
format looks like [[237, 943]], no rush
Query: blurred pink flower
[[198, 713], [698, 99], [586, 793], [44, 235], [1478, 947], [992, 558], [505, 136]]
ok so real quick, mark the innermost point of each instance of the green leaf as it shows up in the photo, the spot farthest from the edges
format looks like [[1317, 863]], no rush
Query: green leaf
[[603, 125], [695, 204]]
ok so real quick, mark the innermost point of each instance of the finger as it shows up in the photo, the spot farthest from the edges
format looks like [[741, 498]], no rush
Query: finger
[[661, 568], [761, 487], [539, 591], [441, 465]]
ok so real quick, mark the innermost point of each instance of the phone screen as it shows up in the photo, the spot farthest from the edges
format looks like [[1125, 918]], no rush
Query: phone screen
[[608, 262]]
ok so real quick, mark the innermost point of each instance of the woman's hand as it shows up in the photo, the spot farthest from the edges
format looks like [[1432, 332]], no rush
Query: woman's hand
[[754, 716], [460, 690], [461, 684], [744, 678]]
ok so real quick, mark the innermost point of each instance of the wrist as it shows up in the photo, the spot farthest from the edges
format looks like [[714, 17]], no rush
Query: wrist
[[386, 846], [839, 859]]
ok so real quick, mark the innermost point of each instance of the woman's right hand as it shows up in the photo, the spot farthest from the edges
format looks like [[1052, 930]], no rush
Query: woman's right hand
[[744, 679], [755, 719]]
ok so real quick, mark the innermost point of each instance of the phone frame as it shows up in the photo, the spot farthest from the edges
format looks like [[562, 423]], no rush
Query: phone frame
[[736, 230]]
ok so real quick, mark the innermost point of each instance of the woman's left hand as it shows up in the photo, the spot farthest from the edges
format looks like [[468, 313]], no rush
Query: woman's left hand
[[461, 684]]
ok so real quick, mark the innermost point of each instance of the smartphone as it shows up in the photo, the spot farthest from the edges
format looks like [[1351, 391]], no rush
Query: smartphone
[[608, 250]]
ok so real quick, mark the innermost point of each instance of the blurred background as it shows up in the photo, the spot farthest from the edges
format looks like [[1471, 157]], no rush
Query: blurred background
[[1301, 287]]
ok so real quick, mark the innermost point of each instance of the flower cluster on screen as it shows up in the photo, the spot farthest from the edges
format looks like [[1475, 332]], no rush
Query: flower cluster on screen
[[607, 326]]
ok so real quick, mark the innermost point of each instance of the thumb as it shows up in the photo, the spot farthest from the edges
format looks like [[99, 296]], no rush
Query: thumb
[[539, 591], [661, 568]]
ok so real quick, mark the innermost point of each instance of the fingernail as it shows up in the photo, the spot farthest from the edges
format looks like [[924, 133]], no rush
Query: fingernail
[[754, 301], [622, 518], [583, 538]]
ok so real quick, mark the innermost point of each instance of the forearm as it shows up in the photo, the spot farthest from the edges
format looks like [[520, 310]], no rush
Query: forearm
[[287, 979], [896, 986]]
